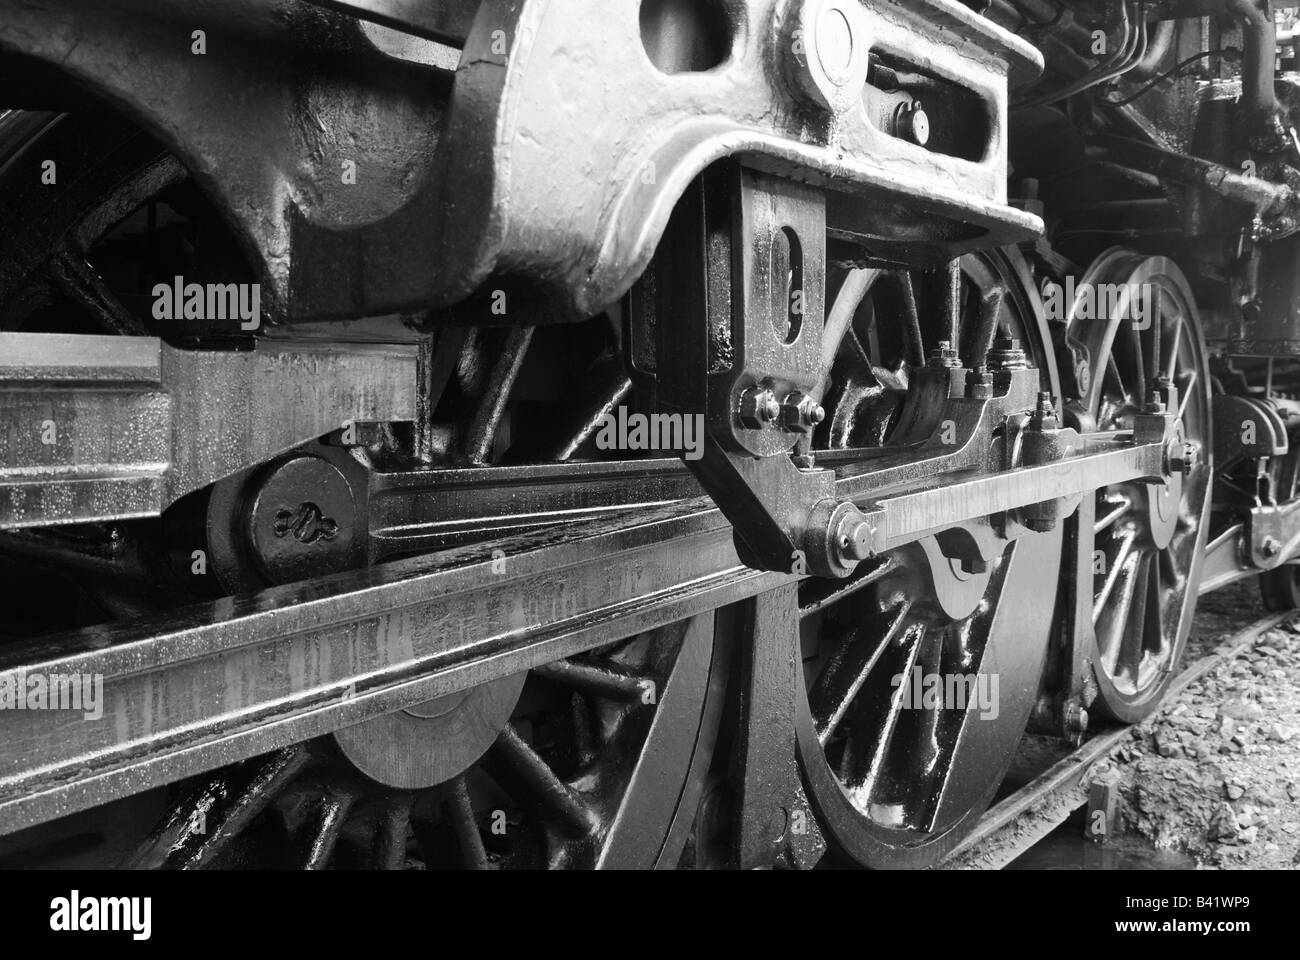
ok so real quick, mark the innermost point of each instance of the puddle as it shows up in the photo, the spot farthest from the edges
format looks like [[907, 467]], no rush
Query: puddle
[[1065, 848]]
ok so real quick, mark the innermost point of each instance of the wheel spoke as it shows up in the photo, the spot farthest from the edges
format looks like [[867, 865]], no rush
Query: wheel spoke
[[460, 813], [1154, 640], [901, 281], [1185, 391], [200, 827], [844, 675], [388, 851], [598, 680], [1135, 599], [880, 751], [990, 312], [853, 289], [560, 805], [1119, 618], [1116, 379], [486, 425], [1175, 345], [70, 272], [821, 593], [1171, 576], [917, 737], [328, 813], [1126, 541], [1121, 507], [1133, 354], [611, 387], [438, 355]]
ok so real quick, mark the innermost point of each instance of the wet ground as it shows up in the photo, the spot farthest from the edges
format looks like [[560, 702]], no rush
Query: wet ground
[[1066, 849]]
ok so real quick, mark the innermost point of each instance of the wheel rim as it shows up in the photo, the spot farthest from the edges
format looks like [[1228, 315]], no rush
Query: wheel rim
[[608, 774], [897, 784], [1148, 539]]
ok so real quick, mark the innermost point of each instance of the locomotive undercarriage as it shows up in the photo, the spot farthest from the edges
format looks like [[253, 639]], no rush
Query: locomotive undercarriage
[[363, 587]]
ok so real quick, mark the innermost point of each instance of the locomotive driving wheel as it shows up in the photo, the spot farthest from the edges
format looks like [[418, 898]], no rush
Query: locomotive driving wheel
[[1148, 538], [922, 669], [596, 760]]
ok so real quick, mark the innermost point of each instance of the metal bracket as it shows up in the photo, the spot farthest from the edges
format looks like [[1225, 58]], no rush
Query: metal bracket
[[1272, 534], [774, 821], [1246, 427], [103, 428], [735, 306]]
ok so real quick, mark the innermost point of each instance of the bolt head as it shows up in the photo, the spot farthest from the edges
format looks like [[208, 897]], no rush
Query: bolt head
[[1044, 415], [856, 538], [912, 123], [1006, 354], [1270, 547], [979, 383], [1075, 718], [1181, 456], [944, 355], [1082, 376], [828, 51]]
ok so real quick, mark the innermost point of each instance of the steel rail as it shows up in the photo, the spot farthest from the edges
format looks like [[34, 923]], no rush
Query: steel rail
[[222, 681], [1018, 822]]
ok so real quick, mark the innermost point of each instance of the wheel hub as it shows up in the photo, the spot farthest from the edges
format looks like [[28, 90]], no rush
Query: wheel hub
[[429, 744]]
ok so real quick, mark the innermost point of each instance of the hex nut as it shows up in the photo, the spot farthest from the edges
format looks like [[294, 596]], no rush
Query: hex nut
[[758, 407], [800, 412]]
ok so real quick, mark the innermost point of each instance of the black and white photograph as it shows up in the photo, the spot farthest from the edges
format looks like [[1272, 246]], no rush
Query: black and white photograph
[[803, 438]]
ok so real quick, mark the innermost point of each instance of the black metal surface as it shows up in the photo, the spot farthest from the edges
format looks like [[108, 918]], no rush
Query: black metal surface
[[374, 577]]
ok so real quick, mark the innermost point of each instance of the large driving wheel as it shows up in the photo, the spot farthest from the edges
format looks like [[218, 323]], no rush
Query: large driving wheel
[[1148, 538], [899, 775]]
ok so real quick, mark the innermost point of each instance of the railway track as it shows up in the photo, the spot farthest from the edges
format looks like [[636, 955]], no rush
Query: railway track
[[1019, 821]]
